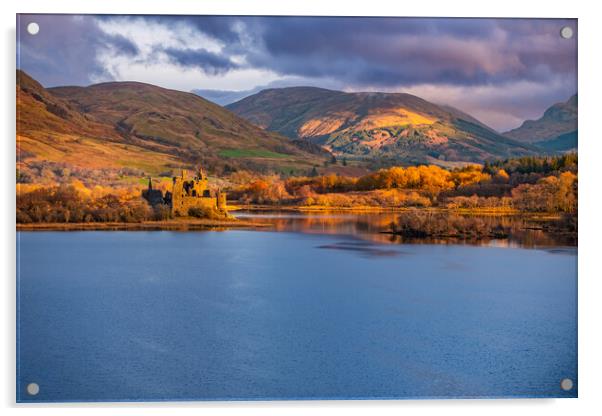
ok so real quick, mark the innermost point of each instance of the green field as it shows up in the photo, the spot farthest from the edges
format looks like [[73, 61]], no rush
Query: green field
[[238, 153]]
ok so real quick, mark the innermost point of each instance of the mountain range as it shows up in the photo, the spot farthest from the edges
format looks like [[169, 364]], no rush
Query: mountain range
[[396, 126], [119, 125]]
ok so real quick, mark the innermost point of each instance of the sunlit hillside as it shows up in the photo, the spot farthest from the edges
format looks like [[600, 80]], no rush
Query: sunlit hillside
[[361, 126]]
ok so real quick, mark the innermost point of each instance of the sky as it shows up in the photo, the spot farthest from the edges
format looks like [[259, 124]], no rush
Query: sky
[[501, 71]]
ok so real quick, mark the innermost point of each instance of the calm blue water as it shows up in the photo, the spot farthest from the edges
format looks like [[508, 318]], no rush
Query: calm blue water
[[280, 315]]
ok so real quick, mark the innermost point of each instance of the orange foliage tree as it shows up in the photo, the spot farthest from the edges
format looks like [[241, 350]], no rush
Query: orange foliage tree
[[551, 194]]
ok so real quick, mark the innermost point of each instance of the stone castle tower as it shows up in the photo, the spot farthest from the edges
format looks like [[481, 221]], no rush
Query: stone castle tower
[[187, 193]]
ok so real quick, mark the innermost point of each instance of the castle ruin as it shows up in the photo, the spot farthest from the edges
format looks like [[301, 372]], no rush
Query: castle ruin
[[187, 193]]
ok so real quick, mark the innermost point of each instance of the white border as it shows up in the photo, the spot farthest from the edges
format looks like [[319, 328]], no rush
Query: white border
[[590, 155]]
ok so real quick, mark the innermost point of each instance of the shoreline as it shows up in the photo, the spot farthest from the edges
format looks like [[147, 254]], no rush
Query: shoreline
[[376, 210], [175, 225], [370, 208], [192, 224]]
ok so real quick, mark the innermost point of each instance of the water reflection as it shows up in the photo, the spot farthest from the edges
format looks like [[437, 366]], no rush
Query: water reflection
[[523, 231], [363, 248]]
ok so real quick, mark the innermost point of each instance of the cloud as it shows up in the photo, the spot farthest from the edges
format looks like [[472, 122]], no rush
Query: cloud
[[470, 63], [210, 63], [65, 50], [408, 51], [502, 107]]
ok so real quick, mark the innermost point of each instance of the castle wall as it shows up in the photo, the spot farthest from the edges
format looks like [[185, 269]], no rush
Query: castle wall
[[182, 205], [221, 201], [187, 194]]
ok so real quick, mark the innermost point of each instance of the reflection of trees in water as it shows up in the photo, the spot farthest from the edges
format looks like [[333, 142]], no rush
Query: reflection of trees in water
[[437, 227], [429, 227], [329, 223]]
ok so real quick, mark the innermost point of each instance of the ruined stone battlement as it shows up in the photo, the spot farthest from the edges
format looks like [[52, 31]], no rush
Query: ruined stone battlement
[[187, 193]]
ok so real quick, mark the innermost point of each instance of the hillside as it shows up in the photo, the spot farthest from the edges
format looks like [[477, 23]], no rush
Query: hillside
[[396, 126], [142, 127], [555, 129], [56, 141], [563, 143], [37, 109]]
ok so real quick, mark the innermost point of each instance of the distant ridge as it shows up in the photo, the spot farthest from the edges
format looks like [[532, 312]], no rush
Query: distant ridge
[[558, 120]]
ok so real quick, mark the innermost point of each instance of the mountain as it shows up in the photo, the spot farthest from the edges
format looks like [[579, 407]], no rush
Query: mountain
[[39, 110], [225, 97], [374, 125], [555, 130], [564, 142], [136, 125], [52, 134]]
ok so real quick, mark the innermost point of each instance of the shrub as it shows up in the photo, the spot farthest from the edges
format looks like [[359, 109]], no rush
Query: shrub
[[70, 204], [206, 212], [161, 212]]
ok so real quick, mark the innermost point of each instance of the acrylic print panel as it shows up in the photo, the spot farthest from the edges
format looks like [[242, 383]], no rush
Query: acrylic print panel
[[274, 208]]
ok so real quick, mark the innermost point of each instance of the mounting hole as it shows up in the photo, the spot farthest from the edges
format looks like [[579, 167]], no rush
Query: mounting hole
[[33, 28], [566, 32], [33, 389], [566, 384]]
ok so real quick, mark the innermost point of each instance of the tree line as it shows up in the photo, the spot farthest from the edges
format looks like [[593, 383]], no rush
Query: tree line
[[544, 184]]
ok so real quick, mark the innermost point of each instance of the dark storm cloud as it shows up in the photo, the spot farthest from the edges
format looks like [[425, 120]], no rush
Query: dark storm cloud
[[389, 52], [209, 62], [123, 45], [393, 51], [396, 51], [65, 50]]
